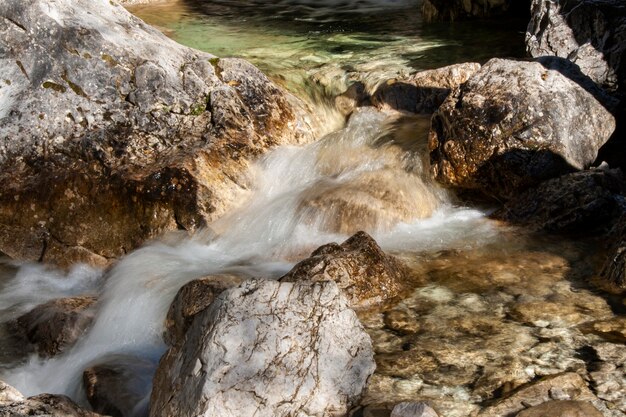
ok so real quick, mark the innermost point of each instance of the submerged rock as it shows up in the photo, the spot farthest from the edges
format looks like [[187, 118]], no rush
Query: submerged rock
[[583, 202], [113, 133], [361, 269], [56, 325], [193, 298], [425, 91], [266, 349], [590, 33], [119, 386], [498, 133]]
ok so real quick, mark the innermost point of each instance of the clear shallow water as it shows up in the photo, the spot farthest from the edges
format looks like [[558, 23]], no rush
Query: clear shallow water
[[370, 174]]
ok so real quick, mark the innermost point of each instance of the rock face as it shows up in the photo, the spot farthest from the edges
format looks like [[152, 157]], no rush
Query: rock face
[[583, 202], [613, 274], [590, 33], [499, 133], [190, 300], [119, 386], [562, 409], [434, 10], [425, 91], [267, 349], [111, 133], [57, 324], [361, 269]]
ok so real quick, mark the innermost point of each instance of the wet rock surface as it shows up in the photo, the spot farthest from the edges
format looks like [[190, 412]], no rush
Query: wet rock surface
[[497, 133], [113, 134], [56, 325], [580, 203], [612, 277], [267, 348], [590, 33], [361, 269], [193, 298]]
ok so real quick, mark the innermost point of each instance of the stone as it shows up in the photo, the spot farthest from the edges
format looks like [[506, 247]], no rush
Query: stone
[[562, 409], [56, 325], [613, 329], [584, 202], [422, 92], [267, 348], [191, 299], [361, 269], [408, 409], [13, 404], [9, 395], [119, 386], [450, 10], [590, 33], [498, 134], [113, 134], [612, 276], [564, 387]]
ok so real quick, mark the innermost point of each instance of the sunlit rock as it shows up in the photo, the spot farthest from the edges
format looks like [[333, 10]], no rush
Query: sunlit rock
[[361, 269], [498, 132], [113, 133], [192, 299], [9, 395], [267, 348], [56, 325], [562, 409]]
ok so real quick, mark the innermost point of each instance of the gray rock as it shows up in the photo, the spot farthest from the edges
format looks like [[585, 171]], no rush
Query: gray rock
[[590, 33], [267, 349], [499, 133], [408, 409], [361, 269], [425, 91], [111, 133]]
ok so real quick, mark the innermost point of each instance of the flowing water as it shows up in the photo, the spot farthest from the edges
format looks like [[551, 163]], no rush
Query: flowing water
[[466, 331]]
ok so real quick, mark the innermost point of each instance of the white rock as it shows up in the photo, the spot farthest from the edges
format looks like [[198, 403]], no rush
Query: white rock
[[408, 409]]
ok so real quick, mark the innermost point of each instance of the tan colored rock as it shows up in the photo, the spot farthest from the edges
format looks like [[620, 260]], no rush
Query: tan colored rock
[[613, 329], [422, 92], [192, 299], [361, 269], [9, 395], [56, 325], [562, 409]]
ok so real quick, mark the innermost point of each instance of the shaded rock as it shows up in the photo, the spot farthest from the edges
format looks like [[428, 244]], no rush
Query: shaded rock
[[361, 269], [425, 91], [450, 10], [413, 410], [355, 96], [612, 277], [497, 133], [562, 409], [590, 33], [267, 348], [56, 325], [13, 404], [582, 202], [113, 133], [563, 387], [192, 299], [119, 386]]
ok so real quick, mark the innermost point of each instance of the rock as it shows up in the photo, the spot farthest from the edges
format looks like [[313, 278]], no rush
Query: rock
[[497, 133], [119, 386], [13, 404], [413, 410], [590, 33], [561, 409], [113, 133], [361, 269], [450, 10], [192, 299], [612, 277], [563, 387], [583, 202], [266, 349], [425, 91], [56, 325], [613, 329]]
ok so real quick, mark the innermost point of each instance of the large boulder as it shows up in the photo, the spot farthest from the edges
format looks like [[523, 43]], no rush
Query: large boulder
[[113, 133], [513, 125], [590, 33], [56, 325], [267, 349], [361, 269], [584, 202]]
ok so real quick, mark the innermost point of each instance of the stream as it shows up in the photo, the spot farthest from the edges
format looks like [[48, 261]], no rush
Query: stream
[[492, 307]]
